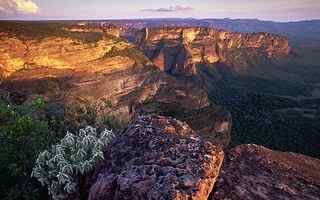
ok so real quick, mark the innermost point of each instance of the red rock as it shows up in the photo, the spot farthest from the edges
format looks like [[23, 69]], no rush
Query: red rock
[[76, 73], [254, 172], [179, 50], [146, 163]]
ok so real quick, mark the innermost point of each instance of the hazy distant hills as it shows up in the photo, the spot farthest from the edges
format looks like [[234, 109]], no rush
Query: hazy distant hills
[[302, 30]]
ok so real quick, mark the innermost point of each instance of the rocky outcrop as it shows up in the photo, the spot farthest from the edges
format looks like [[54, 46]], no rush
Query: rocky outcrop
[[56, 52], [95, 28], [81, 68], [162, 158], [157, 158], [162, 89], [71, 70], [190, 104], [254, 172], [180, 50]]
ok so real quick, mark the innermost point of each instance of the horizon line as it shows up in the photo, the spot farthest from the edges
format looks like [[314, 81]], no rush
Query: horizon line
[[158, 18]]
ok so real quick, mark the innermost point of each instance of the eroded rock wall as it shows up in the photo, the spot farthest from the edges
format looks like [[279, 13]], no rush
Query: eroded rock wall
[[179, 50]]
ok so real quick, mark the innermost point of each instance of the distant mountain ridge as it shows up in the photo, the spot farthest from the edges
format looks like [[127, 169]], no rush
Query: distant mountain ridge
[[298, 32]]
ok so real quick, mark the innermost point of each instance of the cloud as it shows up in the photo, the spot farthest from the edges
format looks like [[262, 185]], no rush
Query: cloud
[[18, 6], [176, 8], [27, 6]]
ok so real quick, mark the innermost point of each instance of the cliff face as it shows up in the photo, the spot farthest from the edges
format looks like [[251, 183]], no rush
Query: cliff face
[[180, 50], [57, 52], [70, 68], [87, 68]]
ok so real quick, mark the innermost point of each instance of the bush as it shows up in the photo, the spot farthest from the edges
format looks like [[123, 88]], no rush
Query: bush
[[112, 122], [82, 115], [63, 167], [23, 134], [130, 52], [108, 104]]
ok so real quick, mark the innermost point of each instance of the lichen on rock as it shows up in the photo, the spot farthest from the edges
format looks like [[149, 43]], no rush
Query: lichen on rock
[[255, 172], [158, 158]]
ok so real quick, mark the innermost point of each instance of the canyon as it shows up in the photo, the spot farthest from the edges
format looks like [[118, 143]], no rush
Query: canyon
[[189, 99], [70, 69]]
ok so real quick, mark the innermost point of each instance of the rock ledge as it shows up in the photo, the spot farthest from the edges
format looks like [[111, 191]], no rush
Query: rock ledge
[[158, 158]]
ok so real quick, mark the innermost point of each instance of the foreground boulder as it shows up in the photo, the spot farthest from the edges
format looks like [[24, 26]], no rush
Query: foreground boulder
[[158, 158], [255, 172]]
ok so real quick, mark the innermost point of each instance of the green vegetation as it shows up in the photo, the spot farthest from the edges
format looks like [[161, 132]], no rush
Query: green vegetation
[[41, 30], [88, 113], [271, 86], [82, 115], [38, 103], [210, 70], [259, 119], [115, 38], [24, 132], [30, 128], [131, 52], [63, 167], [90, 37], [154, 71], [166, 109], [265, 104], [112, 122], [285, 131], [108, 104], [195, 45]]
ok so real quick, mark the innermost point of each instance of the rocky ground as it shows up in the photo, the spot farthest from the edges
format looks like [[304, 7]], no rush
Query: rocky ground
[[158, 158], [255, 172], [162, 158]]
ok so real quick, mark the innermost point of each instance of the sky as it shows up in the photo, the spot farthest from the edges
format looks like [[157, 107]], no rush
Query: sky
[[276, 10]]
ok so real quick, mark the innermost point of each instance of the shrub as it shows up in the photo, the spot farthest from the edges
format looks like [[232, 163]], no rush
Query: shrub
[[130, 52], [108, 104], [39, 103], [23, 134], [82, 115], [112, 122], [63, 167]]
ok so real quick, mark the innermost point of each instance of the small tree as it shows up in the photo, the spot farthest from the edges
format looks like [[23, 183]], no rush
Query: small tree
[[63, 166]]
